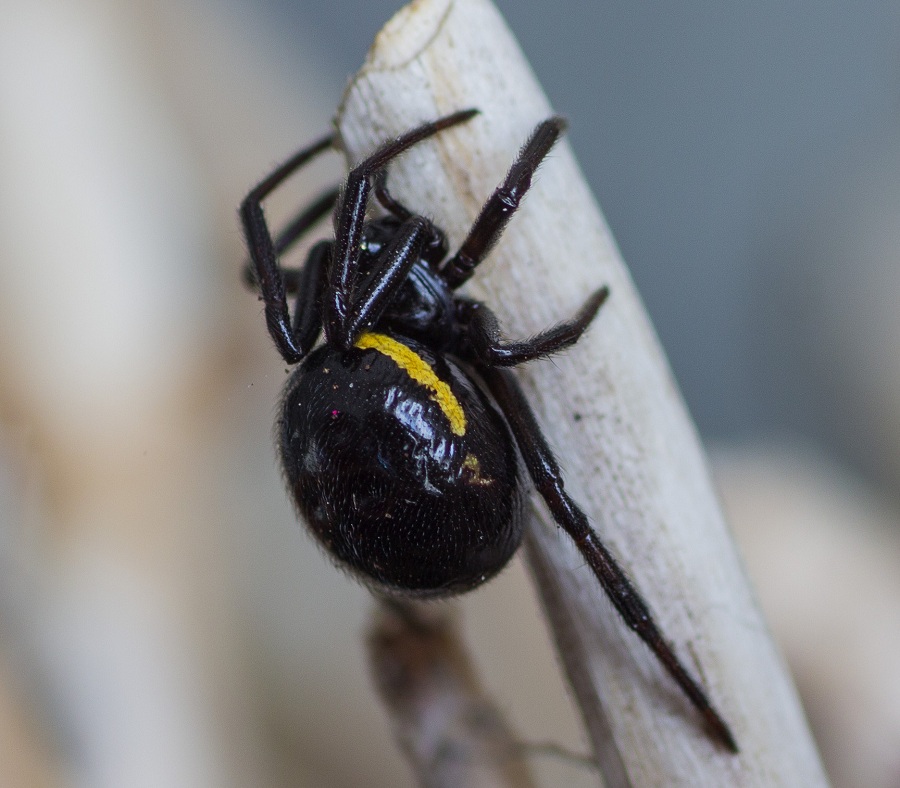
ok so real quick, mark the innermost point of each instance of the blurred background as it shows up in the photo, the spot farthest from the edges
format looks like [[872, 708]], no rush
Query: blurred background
[[163, 619]]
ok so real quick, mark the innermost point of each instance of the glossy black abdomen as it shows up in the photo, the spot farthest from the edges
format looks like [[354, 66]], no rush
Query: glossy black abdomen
[[401, 466]]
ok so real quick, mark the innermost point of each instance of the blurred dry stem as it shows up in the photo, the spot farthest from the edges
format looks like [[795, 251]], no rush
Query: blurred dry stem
[[452, 733], [628, 448]]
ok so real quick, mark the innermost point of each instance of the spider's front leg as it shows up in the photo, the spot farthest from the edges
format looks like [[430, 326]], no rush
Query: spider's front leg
[[502, 204], [264, 266], [484, 340], [342, 304], [293, 232], [391, 269], [547, 478]]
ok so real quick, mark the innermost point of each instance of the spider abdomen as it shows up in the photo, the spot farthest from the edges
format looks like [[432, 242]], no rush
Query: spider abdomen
[[401, 466]]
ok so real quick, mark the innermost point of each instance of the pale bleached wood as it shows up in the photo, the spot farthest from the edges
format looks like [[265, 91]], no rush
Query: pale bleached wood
[[609, 407]]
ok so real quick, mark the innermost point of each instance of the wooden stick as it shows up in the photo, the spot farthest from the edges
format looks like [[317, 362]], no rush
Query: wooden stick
[[609, 408]]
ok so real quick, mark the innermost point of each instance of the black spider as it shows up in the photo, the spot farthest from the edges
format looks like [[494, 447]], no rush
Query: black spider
[[399, 434]]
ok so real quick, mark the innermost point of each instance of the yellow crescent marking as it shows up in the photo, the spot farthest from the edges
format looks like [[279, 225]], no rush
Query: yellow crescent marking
[[419, 370]]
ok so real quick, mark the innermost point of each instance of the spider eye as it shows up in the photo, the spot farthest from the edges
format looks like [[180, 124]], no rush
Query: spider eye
[[368, 246]]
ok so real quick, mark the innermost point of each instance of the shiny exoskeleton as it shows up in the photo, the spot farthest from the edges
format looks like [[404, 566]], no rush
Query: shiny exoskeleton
[[400, 434], [385, 482]]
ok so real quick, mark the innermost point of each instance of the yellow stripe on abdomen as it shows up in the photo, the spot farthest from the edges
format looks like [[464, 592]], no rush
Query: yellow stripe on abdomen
[[420, 371]]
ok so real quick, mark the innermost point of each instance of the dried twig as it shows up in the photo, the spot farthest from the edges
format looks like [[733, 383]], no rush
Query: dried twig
[[450, 730]]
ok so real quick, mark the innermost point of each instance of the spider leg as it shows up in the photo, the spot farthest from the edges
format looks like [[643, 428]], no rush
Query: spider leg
[[489, 349], [350, 220], [394, 265], [310, 279], [502, 204], [545, 473], [295, 230], [387, 200], [264, 255], [436, 248]]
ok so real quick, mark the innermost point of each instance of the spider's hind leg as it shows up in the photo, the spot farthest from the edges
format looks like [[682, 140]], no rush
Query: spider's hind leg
[[547, 478]]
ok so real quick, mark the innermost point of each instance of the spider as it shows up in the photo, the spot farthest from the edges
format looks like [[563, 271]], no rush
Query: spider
[[400, 434]]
